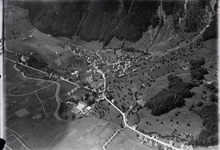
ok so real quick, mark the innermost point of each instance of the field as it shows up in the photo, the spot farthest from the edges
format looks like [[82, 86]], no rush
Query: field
[[151, 78], [109, 56], [105, 111], [16, 17], [125, 140], [122, 91], [82, 135], [28, 114], [17, 84], [24, 39], [167, 123], [47, 97], [78, 95], [65, 88], [38, 99], [14, 142]]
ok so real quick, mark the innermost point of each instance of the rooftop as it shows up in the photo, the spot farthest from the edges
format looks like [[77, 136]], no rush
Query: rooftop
[[81, 105]]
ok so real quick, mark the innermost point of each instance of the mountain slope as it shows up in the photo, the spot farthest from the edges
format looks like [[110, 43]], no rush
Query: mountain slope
[[123, 19]]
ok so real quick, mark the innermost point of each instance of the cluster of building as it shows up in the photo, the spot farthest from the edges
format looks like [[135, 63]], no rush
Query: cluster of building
[[72, 91], [149, 142], [146, 141], [74, 76], [81, 108]]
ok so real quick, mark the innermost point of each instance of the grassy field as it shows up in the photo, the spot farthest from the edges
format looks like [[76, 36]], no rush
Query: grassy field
[[21, 94], [16, 22], [123, 91], [82, 135], [65, 88], [105, 111], [38, 132], [181, 121], [23, 38], [127, 139], [78, 95], [17, 84], [14, 142], [48, 99], [109, 56]]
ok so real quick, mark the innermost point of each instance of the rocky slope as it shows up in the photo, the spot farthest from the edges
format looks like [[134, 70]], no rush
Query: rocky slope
[[123, 19]]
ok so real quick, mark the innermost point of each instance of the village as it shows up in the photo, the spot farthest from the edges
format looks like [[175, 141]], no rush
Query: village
[[102, 66]]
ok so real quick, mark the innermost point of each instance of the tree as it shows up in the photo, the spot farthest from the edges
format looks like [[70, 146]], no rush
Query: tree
[[213, 98], [212, 87], [200, 104]]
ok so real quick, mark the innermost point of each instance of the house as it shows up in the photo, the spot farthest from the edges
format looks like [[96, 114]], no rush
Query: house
[[75, 73], [81, 106], [24, 58], [38, 116], [76, 111], [87, 109]]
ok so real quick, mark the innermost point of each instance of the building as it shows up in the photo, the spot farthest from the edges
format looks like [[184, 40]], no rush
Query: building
[[75, 73], [24, 58], [80, 107], [38, 116], [87, 109], [76, 111]]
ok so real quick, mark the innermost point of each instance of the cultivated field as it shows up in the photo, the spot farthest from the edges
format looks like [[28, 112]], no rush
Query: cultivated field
[[82, 135], [17, 84]]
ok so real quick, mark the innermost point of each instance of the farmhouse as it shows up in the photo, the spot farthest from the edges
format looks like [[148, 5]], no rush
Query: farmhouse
[[87, 109], [37, 116], [24, 58], [81, 106]]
